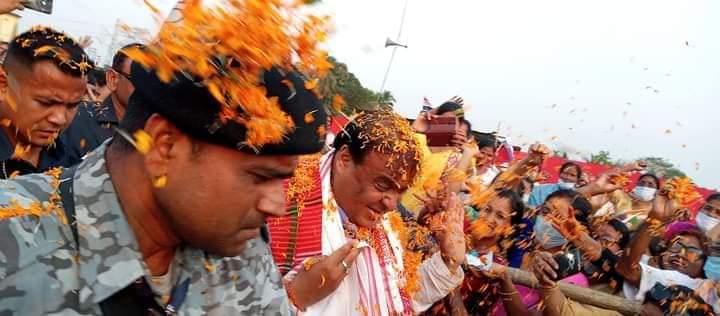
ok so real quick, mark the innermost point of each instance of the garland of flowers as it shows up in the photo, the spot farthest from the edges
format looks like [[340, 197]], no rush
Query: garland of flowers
[[411, 258]]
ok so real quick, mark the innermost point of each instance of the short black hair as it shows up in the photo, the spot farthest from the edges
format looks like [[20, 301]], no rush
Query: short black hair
[[350, 136], [582, 206], [355, 133], [97, 77], [44, 43], [654, 177], [486, 141], [120, 56], [713, 197], [622, 229], [571, 164], [447, 107]]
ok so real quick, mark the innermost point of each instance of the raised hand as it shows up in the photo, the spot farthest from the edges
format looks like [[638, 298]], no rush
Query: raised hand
[[562, 218], [317, 281], [449, 232], [422, 122], [537, 154], [634, 166], [85, 41]]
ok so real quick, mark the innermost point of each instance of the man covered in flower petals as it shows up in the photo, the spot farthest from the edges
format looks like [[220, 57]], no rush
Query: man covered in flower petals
[[167, 217], [364, 262]]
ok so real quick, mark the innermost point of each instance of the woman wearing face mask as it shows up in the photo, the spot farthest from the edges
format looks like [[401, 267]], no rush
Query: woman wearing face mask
[[631, 208], [548, 239], [570, 174], [708, 220], [601, 249]]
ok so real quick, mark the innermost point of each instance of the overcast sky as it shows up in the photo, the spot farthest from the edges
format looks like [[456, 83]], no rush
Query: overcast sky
[[636, 78]]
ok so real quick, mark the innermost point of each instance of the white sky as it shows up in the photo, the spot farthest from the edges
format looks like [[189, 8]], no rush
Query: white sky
[[605, 65]]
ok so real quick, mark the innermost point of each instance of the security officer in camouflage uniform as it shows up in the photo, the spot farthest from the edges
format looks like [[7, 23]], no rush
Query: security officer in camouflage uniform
[[178, 229]]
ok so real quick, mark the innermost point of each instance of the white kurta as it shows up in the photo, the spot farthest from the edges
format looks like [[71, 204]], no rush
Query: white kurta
[[367, 281]]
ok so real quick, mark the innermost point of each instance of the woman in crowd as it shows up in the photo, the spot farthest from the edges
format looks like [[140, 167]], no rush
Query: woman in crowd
[[631, 208], [570, 174], [492, 229], [681, 261], [708, 220]]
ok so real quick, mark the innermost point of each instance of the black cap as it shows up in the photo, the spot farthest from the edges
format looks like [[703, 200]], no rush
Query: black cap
[[192, 108]]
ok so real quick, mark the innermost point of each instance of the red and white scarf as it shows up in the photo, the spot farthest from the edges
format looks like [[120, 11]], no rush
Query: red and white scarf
[[372, 286]]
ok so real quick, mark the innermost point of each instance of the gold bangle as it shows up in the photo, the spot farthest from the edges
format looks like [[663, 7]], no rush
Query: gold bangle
[[548, 288], [309, 262], [508, 293]]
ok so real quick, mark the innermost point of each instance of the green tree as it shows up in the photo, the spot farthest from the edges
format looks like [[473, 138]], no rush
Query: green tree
[[602, 157], [357, 97], [662, 167]]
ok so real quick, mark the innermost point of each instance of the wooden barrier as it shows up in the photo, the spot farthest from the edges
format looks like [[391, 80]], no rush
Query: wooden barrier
[[580, 294]]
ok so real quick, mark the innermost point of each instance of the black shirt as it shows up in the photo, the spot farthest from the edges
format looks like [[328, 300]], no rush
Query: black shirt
[[93, 125], [50, 157]]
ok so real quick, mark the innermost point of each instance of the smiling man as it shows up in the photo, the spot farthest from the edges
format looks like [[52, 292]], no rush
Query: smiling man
[[358, 183], [42, 82]]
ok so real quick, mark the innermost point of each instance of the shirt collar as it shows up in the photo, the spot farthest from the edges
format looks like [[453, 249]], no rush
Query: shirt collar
[[52, 156], [109, 256]]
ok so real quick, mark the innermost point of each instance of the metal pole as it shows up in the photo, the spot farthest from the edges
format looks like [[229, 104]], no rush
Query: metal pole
[[392, 56]]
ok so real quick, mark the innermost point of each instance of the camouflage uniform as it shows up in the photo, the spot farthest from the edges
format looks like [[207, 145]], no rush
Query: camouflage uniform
[[41, 272]]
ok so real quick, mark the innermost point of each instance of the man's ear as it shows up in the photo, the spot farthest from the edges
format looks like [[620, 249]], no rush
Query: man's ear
[[164, 137], [111, 79], [343, 158]]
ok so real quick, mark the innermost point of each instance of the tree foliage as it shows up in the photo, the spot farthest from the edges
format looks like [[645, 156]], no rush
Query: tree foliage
[[357, 97], [662, 167], [602, 158]]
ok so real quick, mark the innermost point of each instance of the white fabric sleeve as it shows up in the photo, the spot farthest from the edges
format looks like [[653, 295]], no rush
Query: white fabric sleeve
[[436, 282], [651, 275]]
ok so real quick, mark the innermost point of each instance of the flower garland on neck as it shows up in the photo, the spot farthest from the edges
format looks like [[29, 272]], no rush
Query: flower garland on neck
[[378, 241]]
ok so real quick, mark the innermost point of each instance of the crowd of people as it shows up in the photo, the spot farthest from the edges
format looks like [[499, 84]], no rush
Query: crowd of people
[[138, 190]]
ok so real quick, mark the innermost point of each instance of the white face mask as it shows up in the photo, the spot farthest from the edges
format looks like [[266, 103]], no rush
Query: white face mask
[[706, 222], [644, 193], [566, 185]]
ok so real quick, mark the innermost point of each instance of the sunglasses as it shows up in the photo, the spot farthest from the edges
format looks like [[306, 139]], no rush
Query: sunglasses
[[123, 74], [690, 253]]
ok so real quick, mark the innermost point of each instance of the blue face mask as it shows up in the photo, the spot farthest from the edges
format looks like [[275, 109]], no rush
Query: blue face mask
[[547, 235], [712, 268]]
